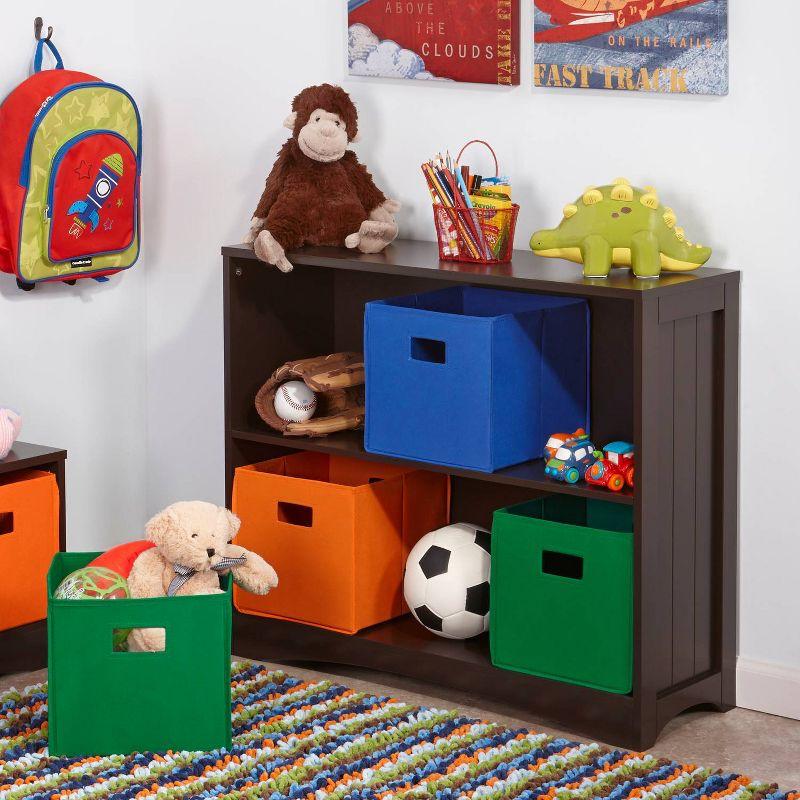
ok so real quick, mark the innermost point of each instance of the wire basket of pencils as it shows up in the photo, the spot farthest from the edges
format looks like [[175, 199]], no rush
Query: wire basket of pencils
[[474, 216]]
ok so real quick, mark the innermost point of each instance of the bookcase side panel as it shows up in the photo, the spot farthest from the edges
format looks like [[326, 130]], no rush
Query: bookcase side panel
[[687, 530]]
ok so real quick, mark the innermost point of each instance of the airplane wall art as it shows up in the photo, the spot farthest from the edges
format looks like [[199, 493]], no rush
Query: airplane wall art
[[675, 46]]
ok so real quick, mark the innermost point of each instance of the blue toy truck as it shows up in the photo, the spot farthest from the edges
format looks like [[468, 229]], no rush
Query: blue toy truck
[[572, 461]]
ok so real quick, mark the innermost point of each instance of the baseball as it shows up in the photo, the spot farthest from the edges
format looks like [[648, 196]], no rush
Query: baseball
[[295, 402]]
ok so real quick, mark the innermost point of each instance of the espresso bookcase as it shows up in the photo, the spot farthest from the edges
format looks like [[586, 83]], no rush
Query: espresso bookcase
[[664, 375], [24, 648]]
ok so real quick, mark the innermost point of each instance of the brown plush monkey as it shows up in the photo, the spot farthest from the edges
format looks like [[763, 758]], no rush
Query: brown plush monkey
[[318, 193]]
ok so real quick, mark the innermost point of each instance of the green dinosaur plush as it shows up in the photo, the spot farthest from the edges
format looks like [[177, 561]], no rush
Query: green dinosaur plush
[[620, 226]]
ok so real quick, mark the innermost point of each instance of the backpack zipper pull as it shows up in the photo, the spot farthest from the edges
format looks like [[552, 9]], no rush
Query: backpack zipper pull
[[47, 212]]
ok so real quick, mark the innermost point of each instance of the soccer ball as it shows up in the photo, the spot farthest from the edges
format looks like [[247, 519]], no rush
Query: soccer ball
[[446, 583]]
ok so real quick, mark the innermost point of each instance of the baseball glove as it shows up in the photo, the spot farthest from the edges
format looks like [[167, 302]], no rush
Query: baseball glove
[[338, 381]]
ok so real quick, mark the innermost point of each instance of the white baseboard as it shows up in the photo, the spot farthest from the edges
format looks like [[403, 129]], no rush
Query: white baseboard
[[771, 688]]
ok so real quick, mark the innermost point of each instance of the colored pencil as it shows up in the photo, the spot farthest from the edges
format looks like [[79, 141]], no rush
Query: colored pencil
[[448, 187]]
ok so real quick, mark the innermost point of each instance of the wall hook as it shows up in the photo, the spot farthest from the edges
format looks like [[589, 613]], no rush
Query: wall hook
[[38, 24]]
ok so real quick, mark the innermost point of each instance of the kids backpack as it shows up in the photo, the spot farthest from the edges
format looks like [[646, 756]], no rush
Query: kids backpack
[[71, 149]]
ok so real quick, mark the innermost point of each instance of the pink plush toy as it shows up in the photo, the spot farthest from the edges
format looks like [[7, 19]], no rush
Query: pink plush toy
[[10, 425]]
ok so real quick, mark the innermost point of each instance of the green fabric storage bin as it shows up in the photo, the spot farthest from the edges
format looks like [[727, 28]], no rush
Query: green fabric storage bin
[[562, 591], [103, 702]]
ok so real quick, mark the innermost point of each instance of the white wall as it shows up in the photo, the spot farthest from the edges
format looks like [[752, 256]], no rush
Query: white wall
[[72, 359], [213, 105], [214, 83]]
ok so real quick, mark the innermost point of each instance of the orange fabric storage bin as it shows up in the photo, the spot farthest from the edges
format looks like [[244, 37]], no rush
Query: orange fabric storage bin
[[28, 542], [338, 532]]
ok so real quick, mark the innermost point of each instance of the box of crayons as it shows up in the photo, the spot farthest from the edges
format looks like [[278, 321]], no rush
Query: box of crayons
[[475, 216]]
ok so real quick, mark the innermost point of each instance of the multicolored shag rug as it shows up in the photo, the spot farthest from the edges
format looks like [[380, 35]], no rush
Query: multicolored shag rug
[[322, 741]]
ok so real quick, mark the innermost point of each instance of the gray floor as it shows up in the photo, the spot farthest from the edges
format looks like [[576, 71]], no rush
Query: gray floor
[[758, 745]]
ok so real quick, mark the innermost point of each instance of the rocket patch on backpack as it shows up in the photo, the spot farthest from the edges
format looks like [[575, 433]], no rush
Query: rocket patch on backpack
[[107, 180]]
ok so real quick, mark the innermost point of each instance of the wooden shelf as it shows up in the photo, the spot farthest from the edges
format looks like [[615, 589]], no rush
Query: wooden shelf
[[529, 475], [664, 375], [403, 647], [24, 455], [462, 665], [30, 456], [24, 648], [527, 271]]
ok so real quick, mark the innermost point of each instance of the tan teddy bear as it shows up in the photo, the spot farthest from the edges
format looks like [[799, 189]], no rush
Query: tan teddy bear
[[193, 547]]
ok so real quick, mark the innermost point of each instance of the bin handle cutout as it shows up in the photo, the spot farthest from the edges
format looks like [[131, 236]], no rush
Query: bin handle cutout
[[562, 565], [433, 351], [119, 637], [6, 522], [296, 514]]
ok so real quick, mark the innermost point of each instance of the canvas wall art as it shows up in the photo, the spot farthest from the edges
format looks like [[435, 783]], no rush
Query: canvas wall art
[[676, 46], [473, 41]]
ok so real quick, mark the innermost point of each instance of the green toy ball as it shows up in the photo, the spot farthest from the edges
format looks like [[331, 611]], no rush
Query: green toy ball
[[96, 583], [92, 583]]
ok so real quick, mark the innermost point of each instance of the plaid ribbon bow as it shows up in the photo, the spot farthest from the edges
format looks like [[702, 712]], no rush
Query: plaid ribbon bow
[[182, 574]]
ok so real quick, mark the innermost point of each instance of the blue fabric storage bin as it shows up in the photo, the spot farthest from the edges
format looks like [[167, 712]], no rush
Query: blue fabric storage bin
[[474, 378]]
